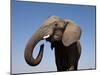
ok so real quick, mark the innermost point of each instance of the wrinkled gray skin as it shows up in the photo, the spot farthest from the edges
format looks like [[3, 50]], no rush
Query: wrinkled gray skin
[[64, 36]]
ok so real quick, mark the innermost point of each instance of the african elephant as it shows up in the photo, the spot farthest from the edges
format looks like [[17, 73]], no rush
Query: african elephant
[[64, 36]]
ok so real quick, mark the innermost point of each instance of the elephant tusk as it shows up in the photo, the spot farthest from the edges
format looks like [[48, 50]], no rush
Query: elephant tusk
[[45, 37]]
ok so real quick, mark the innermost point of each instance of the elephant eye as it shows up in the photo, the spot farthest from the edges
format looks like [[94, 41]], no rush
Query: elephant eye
[[56, 24]]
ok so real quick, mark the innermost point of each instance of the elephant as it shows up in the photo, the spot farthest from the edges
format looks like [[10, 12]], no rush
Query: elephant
[[64, 37]]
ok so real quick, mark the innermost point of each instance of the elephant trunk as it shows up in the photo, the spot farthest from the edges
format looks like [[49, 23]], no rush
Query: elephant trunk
[[30, 48]]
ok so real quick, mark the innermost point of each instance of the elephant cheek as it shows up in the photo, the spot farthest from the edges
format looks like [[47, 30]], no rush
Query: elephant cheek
[[56, 38], [57, 35]]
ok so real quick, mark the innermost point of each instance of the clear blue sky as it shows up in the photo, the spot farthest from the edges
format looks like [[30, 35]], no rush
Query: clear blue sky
[[27, 17]]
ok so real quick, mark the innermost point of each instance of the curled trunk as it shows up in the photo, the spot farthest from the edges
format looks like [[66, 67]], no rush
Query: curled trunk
[[30, 48]]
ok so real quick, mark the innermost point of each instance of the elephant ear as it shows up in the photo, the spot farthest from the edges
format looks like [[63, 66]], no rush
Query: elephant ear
[[71, 34]]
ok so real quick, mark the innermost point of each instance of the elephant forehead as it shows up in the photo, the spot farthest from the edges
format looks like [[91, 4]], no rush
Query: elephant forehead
[[51, 20]]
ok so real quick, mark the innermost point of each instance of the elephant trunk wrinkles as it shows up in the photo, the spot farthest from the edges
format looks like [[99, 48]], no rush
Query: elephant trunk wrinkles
[[30, 48]]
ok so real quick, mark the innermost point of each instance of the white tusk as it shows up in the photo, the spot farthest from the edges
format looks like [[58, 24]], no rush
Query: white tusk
[[45, 37]]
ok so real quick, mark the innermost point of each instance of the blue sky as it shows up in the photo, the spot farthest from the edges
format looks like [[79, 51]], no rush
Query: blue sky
[[27, 17]]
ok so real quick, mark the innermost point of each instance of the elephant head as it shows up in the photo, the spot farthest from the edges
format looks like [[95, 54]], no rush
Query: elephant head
[[53, 29]]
